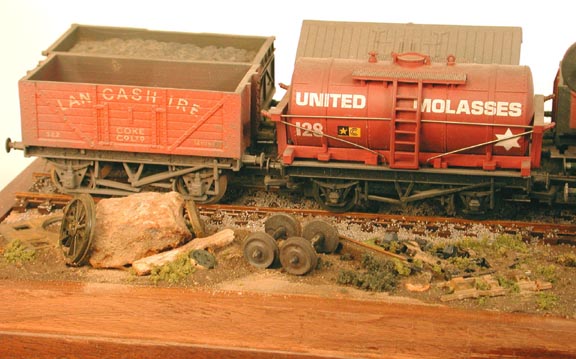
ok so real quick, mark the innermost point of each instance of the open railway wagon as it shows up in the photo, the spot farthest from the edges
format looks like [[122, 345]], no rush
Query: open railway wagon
[[398, 113], [116, 110]]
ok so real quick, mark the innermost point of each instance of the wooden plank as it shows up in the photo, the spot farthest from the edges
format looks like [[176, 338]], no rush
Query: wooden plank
[[98, 320]]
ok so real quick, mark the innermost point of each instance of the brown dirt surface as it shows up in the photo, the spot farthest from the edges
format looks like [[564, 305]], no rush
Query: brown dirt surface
[[48, 309], [536, 265]]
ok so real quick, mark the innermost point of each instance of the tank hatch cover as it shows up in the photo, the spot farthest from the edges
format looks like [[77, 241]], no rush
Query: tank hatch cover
[[354, 40]]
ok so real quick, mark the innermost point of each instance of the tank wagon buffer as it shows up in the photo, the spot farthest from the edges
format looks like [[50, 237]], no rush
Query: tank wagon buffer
[[403, 128], [120, 110]]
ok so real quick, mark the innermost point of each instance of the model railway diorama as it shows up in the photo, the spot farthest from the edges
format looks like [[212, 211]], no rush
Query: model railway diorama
[[389, 113], [169, 158]]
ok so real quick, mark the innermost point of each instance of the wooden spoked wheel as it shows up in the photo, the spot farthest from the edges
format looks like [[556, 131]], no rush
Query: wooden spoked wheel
[[77, 229]]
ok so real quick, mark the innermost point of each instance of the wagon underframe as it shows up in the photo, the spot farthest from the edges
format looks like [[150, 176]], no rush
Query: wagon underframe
[[339, 188], [122, 173]]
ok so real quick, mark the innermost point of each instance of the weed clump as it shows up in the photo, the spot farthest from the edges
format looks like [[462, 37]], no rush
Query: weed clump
[[18, 253], [548, 272], [376, 275], [567, 260], [500, 245], [174, 272], [546, 301]]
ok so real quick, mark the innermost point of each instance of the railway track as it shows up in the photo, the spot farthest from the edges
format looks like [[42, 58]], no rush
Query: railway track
[[550, 233]]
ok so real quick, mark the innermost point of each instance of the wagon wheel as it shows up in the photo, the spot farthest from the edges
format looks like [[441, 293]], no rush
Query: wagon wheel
[[335, 197], [56, 181], [298, 256], [282, 225], [260, 250], [197, 224], [323, 236], [181, 185], [76, 230]]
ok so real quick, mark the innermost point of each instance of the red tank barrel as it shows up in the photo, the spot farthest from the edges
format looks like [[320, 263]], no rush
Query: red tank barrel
[[339, 103]]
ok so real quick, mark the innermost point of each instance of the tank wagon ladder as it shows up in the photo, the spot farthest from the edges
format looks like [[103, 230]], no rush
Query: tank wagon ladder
[[405, 125]]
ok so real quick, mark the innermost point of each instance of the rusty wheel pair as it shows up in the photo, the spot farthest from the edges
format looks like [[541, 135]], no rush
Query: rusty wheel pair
[[297, 249]]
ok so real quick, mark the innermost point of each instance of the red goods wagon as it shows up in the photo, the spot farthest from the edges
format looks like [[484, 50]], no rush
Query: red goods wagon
[[122, 42], [468, 115], [136, 105], [116, 110]]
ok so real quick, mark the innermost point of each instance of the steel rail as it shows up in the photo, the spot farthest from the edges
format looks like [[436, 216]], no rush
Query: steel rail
[[552, 233]]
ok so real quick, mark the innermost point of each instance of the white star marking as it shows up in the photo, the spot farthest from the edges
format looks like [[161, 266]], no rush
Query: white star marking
[[506, 141]]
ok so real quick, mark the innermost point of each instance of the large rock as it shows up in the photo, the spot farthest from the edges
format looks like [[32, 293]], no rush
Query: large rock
[[137, 226]]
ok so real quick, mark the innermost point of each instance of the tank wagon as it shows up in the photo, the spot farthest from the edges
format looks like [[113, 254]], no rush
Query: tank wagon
[[392, 113]]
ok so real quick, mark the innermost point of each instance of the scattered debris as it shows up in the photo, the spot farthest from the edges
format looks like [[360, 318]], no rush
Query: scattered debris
[[487, 286], [145, 265], [567, 260], [472, 287], [36, 232], [203, 259], [527, 285]]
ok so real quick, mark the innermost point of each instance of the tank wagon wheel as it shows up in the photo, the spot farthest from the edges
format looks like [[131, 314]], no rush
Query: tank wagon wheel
[[335, 197], [261, 249], [323, 236], [297, 256], [183, 183], [76, 230]]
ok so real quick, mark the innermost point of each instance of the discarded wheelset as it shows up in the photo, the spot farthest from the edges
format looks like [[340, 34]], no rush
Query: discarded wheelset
[[296, 249]]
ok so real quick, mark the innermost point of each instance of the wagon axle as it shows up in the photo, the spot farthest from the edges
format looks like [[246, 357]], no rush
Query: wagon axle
[[283, 239]]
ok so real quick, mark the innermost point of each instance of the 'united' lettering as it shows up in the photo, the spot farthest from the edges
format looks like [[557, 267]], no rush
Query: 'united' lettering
[[334, 100]]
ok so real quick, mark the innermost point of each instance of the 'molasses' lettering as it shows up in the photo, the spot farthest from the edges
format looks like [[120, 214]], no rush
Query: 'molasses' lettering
[[476, 107]]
